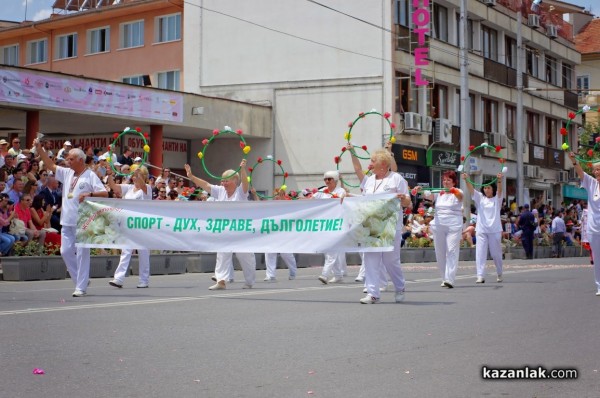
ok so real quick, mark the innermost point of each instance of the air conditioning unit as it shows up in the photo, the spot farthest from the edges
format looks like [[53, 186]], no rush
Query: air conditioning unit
[[489, 3], [533, 21], [427, 124], [443, 131], [563, 176], [551, 31], [531, 171], [573, 174], [412, 123], [498, 139]]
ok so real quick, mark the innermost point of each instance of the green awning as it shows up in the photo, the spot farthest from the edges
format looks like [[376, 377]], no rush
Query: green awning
[[571, 191]]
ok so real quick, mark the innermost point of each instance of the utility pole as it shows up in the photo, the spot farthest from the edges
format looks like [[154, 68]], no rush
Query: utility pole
[[520, 196], [465, 109]]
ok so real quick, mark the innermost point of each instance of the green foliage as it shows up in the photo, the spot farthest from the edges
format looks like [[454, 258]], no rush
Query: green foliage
[[413, 241], [33, 248]]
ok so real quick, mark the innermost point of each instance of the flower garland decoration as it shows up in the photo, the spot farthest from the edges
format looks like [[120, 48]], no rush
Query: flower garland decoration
[[473, 149], [429, 191], [217, 133], [278, 163], [338, 159], [116, 137], [564, 132], [361, 115]]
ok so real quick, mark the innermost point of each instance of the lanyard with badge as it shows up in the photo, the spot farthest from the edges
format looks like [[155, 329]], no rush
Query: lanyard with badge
[[73, 184]]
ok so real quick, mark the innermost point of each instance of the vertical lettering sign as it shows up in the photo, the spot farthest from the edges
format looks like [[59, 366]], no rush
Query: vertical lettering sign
[[420, 19]]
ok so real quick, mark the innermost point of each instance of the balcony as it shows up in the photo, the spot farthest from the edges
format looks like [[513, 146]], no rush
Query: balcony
[[545, 156], [501, 73]]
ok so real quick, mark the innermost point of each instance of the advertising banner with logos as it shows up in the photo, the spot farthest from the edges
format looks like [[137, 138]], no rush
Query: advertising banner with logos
[[71, 93], [411, 164]]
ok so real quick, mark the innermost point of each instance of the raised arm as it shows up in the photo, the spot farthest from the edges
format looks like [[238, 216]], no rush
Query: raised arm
[[48, 163], [198, 181], [468, 183], [499, 184], [116, 188], [244, 176], [578, 168], [356, 163]]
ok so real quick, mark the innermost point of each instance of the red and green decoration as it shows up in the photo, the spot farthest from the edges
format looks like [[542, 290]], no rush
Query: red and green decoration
[[277, 163], [338, 160], [592, 154], [473, 149], [117, 137], [386, 116], [218, 133], [429, 191]]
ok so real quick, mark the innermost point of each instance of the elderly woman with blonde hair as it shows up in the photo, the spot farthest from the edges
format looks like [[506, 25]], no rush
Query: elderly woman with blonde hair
[[383, 180], [234, 187], [139, 190]]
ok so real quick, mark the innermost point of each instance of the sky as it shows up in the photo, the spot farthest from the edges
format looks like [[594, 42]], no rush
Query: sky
[[16, 10]]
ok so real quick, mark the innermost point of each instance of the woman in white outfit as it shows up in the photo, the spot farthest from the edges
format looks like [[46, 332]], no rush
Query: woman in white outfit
[[489, 226], [234, 187], [592, 186], [335, 262], [382, 180], [271, 258], [447, 227], [139, 190]]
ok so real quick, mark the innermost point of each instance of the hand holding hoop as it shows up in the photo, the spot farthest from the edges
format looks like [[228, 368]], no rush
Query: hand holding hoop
[[472, 149], [216, 133], [564, 132], [385, 116], [277, 162]]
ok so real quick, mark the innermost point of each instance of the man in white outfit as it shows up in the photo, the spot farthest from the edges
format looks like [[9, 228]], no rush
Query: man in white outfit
[[271, 265], [234, 187], [79, 183], [335, 262]]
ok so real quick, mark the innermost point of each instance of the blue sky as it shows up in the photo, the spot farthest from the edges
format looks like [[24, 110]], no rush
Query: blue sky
[[14, 10]]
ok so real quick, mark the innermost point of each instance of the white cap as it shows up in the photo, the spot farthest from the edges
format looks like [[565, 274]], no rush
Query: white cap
[[332, 174], [117, 164], [68, 143], [138, 159], [21, 156]]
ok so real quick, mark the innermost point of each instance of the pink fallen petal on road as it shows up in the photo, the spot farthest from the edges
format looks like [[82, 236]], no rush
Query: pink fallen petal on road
[[311, 372], [310, 392], [38, 371]]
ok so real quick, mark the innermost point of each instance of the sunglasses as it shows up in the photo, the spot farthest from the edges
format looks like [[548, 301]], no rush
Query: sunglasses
[[26, 200], [328, 179], [162, 191], [44, 175]]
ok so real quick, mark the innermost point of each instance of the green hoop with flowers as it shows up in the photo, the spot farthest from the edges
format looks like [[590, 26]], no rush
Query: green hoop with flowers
[[428, 191], [386, 116], [116, 137], [473, 149], [277, 162], [590, 152], [338, 160], [217, 133]]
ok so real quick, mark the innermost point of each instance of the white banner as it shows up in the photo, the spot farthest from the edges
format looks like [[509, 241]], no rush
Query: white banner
[[301, 226]]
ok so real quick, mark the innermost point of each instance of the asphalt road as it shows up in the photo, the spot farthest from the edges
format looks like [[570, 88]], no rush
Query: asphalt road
[[303, 339]]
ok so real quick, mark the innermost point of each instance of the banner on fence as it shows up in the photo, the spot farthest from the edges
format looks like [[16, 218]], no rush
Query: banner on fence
[[303, 226]]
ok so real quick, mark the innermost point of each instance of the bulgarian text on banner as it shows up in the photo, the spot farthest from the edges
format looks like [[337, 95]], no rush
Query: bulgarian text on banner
[[302, 226]]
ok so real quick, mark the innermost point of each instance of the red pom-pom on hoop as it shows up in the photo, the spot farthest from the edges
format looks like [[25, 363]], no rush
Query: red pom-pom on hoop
[[285, 175], [589, 164], [590, 152], [326, 190], [350, 124], [146, 135], [364, 147], [462, 158], [452, 190], [343, 149], [498, 148], [115, 136], [239, 132], [205, 142], [336, 159], [215, 132], [108, 149], [279, 162], [362, 114], [138, 129], [563, 131], [242, 145], [387, 115], [471, 147], [250, 169], [259, 160], [597, 139], [393, 125], [501, 160], [571, 115]]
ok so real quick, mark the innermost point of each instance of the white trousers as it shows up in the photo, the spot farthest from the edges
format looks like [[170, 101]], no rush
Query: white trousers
[[447, 250], [376, 263], [76, 259], [224, 266], [144, 262], [334, 263], [485, 241], [271, 263], [595, 246]]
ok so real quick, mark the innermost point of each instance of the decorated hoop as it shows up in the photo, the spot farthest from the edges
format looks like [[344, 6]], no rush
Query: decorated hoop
[[564, 133], [116, 137], [428, 191], [385, 116], [338, 159], [278, 162], [216, 133], [473, 149]]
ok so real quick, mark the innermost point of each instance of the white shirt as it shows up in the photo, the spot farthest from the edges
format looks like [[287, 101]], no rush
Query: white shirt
[[593, 191], [87, 182], [218, 192], [391, 183], [448, 210], [128, 191], [338, 191], [488, 213]]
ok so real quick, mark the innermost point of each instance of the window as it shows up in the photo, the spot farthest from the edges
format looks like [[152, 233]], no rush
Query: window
[[402, 13], [511, 120], [440, 102], [551, 70], [583, 85], [533, 61], [533, 127], [490, 115], [407, 94], [489, 43], [567, 76], [169, 28], [67, 46], [169, 80], [551, 131], [99, 40], [135, 80], [10, 55], [470, 32], [511, 52], [132, 34], [440, 22], [37, 51]]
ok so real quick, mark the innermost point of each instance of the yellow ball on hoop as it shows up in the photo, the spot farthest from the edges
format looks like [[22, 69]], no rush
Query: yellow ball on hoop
[[200, 155], [246, 149], [283, 187], [146, 148]]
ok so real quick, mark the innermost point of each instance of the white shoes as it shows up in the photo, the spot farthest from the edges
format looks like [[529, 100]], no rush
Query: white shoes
[[79, 293], [480, 280], [292, 277], [499, 278], [115, 283], [336, 279], [359, 279], [270, 279], [598, 293], [247, 286], [399, 296], [368, 299], [323, 279], [142, 285], [220, 285], [448, 285]]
